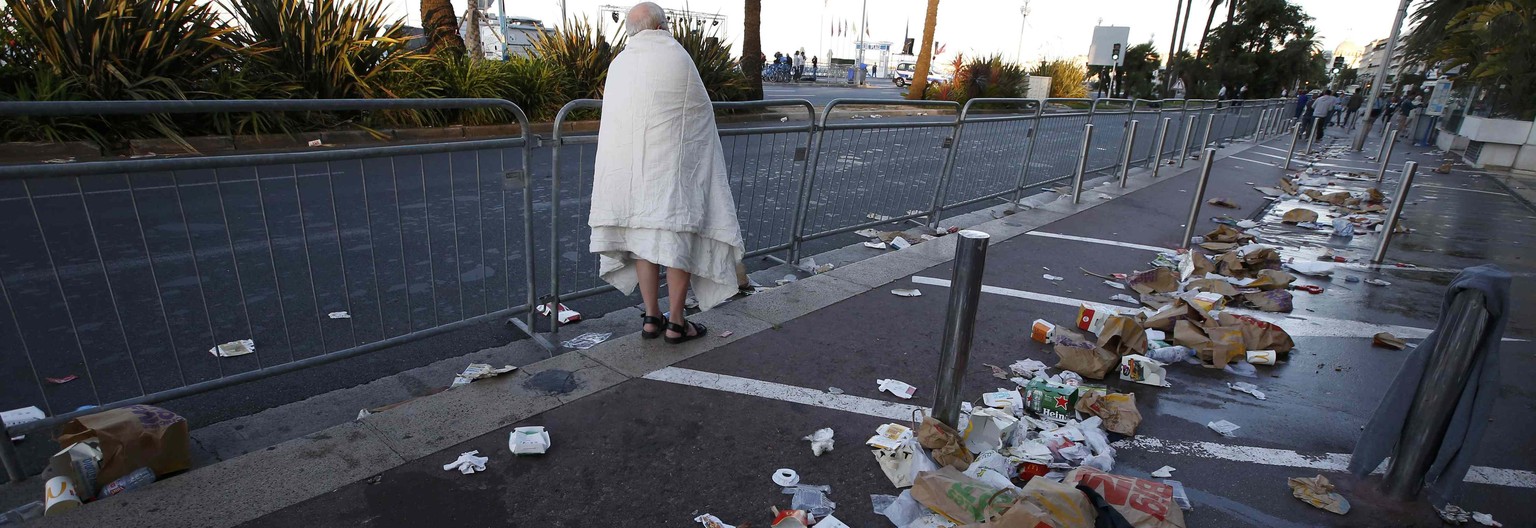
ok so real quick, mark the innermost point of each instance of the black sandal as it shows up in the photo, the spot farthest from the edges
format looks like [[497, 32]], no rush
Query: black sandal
[[700, 330], [658, 322]]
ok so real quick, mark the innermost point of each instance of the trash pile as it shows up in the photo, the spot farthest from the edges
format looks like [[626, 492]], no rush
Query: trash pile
[[108, 453], [1349, 212]]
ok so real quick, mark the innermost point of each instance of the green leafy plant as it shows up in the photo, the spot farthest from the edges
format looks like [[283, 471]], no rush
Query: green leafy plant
[[712, 56], [1067, 78], [327, 49], [583, 54]]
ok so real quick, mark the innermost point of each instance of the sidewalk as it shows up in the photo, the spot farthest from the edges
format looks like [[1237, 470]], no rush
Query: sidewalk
[[646, 434]]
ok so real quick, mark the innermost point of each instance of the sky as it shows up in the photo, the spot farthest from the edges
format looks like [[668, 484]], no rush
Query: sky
[[1053, 28]]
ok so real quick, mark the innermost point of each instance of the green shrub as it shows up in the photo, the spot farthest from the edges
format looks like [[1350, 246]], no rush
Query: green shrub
[[582, 54], [712, 56]]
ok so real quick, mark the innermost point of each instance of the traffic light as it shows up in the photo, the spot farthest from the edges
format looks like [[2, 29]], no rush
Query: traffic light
[[1114, 54], [1338, 62], [906, 47]]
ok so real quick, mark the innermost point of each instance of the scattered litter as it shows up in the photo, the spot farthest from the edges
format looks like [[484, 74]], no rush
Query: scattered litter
[[530, 440], [1222, 202], [834, 390], [467, 463], [480, 371], [1314, 268], [1261, 357], [1041, 331], [875, 245], [1454, 514], [1144, 370], [15, 417], [1164, 472], [867, 233], [1387, 340], [791, 518], [786, 280], [1351, 279], [63, 380], [1224, 428], [1242, 369], [786, 477], [339, 315], [907, 292], [1483, 519], [726, 334], [1299, 215], [1050, 277], [1115, 285], [707, 520], [565, 316], [831, 521], [587, 340], [1343, 228], [1180, 497], [1318, 492], [315, 143], [900, 243], [897, 388], [1247, 224], [1377, 282], [1170, 355], [1243, 386], [1124, 298], [821, 441], [234, 348]]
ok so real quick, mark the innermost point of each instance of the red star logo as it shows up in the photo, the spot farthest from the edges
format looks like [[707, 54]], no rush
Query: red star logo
[[1061, 401]]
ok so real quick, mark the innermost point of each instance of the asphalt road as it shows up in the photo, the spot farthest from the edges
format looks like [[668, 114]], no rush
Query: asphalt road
[[127, 281], [658, 453]]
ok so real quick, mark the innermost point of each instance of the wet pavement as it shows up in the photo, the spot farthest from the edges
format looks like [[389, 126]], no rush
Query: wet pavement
[[658, 453]]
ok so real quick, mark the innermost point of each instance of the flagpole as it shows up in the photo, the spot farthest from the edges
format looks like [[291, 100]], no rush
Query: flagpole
[[863, 27]]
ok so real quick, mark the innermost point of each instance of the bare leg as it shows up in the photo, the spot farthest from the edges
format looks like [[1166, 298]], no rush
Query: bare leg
[[649, 275], [677, 295]]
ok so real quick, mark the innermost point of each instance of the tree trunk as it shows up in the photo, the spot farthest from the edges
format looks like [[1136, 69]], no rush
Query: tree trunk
[[1189, 9], [752, 49], [472, 44], [1221, 55], [925, 57], [1173, 42], [441, 25], [1209, 17]]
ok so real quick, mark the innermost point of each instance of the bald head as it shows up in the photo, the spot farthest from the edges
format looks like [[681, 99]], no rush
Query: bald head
[[645, 15]]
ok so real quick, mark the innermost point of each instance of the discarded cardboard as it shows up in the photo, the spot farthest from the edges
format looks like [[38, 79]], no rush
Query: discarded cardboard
[[1122, 335], [1222, 202], [1271, 300], [530, 440], [1144, 503], [1040, 331], [1050, 401], [896, 387], [1299, 215], [1091, 316], [1318, 492], [1117, 410], [903, 462], [1218, 286], [1387, 340], [1079, 355], [234, 348], [1045, 503], [944, 443], [1144, 370], [1223, 427], [1224, 233], [1155, 280]]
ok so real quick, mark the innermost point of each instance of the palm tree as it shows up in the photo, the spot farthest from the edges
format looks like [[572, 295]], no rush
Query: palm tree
[[441, 25], [925, 57], [752, 49], [1209, 17], [1189, 9]]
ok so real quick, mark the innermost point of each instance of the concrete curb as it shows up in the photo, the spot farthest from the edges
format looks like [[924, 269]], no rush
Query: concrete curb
[[222, 494]]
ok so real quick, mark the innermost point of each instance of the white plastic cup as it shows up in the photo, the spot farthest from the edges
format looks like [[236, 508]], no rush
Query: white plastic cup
[[59, 495], [1261, 357]]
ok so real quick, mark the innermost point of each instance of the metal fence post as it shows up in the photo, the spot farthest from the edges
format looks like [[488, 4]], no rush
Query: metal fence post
[[941, 191], [1189, 132], [1162, 139], [797, 236], [1385, 155], [1439, 393], [1125, 153], [1194, 208], [1388, 227], [1029, 152], [9, 457], [1290, 153], [1312, 133], [1205, 138], [960, 323], [1082, 164]]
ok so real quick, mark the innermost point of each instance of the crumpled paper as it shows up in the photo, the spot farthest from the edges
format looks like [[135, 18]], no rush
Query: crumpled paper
[[467, 463], [1318, 492], [821, 441]]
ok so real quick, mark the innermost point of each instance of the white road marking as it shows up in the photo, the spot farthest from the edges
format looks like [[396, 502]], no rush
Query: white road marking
[[1252, 161], [1099, 241], [1433, 186], [1336, 462], [1321, 164], [1295, 325], [904, 413], [790, 393]]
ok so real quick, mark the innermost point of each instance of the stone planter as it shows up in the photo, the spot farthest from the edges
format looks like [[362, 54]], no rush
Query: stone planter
[[1500, 143]]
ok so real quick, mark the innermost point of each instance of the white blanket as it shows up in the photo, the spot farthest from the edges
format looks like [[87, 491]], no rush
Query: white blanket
[[660, 192]]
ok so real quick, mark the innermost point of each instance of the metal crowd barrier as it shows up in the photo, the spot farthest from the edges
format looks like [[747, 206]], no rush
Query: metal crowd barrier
[[126, 272], [992, 151]]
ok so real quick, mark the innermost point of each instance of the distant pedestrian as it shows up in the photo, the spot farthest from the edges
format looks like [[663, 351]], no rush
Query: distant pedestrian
[[799, 65], [1377, 109], [872, 71], [1321, 109], [1352, 108], [1301, 104], [814, 68], [1405, 113]]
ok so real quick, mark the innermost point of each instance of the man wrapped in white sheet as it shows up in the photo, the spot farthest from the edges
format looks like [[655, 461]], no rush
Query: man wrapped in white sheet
[[660, 196]]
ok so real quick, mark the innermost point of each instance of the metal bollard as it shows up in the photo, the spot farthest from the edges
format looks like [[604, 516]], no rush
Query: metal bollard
[[1157, 150], [1397, 208], [1385, 155], [1125, 153], [1194, 208], [1295, 133], [1082, 164], [1445, 378], [1189, 131], [1312, 133], [1205, 138], [960, 324], [10, 458]]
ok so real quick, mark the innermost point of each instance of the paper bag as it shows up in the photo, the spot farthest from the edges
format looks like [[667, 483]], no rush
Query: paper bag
[[1166, 316], [1272, 279], [1117, 410], [945, 443], [1046, 503], [1225, 345], [1155, 280], [1259, 335], [1091, 316], [1084, 357], [1270, 301], [1122, 335], [1224, 233], [903, 464], [1145, 503], [133, 437], [1218, 286], [1299, 215], [960, 497]]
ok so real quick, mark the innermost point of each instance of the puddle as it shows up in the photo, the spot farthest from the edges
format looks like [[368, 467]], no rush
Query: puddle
[[553, 381]]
